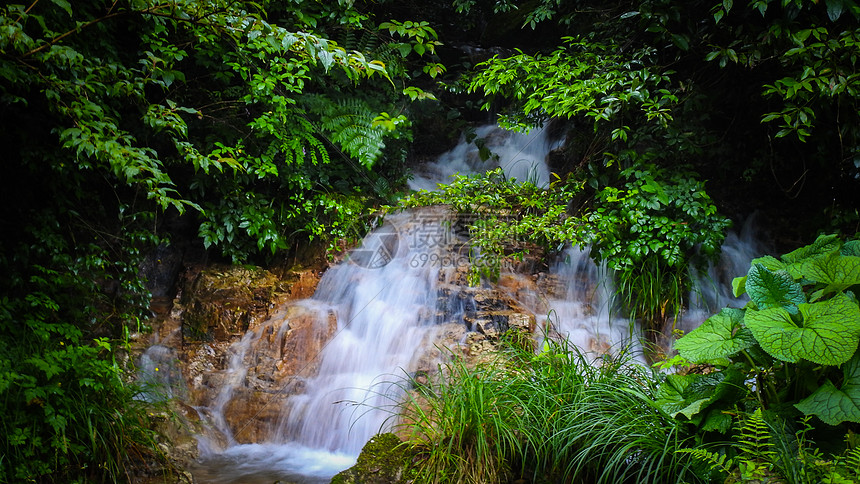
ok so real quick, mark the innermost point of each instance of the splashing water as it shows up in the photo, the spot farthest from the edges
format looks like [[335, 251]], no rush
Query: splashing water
[[582, 310], [383, 300], [520, 156]]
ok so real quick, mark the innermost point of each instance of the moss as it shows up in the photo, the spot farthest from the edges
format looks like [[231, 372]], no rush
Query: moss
[[383, 460]]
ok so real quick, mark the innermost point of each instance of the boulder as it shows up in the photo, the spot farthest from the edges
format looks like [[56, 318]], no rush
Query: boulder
[[383, 460]]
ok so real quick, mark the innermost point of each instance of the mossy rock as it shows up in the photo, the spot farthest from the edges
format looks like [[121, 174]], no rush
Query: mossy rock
[[383, 460]]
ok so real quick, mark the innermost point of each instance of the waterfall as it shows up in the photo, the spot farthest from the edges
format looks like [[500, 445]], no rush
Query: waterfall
[[520, 156], [383, 301], [371, 320], [712, 288], [582, 308]]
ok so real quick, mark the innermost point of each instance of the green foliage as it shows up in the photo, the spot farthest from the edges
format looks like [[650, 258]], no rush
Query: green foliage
[[68, 413], [780, 354], [506, 218], [556, 416], [579, 79], [765, 90], [765, 451], [119, 118], [648, 230]]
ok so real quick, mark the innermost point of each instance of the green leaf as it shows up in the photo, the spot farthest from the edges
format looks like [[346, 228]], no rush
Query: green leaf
[[852, 247], [717, 421], [691, 394], [681, 41], [65, 5], [671, 396], [771, 289], [836, 405], [770, 262], [739, 286], [836, 270], [834, 9], [722, 335], [823, 245], [827, 335]]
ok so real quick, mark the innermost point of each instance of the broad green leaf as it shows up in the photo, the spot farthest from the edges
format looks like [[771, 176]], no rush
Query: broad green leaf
[[770, 262], [852, 247], [839, 272], [672, 396], [772, 289], [827, 335], [690, 394], [823, 245], [836, 405], [720, 336], [717, 421]]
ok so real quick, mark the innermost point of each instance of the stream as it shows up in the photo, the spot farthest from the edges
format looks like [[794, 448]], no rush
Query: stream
[[378, 316]]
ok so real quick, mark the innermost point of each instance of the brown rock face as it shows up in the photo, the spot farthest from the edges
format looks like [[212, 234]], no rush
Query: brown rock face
[[222, 302], [281, 355]]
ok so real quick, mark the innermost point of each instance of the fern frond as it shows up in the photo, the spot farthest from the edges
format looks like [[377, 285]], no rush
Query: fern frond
[[754, 438], [716, 461], [852, 461], [348, 123], [302, 145]]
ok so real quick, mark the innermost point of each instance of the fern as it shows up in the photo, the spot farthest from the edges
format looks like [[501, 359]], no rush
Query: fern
[[715, 460], [852, 461], [366, 43], [754, 438], [371, 44], [301, 146], [756, 453], [348, 123]]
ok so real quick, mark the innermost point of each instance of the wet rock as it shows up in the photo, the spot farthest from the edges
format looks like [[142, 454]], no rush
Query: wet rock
[[159, 271], [223, 302], [176, 427], [279, 356], [383, 460]]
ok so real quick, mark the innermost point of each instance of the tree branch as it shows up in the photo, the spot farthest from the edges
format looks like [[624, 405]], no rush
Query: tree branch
[[148, 11]]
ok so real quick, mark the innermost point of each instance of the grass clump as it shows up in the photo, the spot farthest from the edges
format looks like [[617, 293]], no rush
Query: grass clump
[[554, 417]]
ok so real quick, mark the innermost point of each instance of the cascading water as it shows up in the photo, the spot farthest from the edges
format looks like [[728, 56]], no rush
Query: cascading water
[[370, 320], [712, 288], [383, 301], [520, 156], [583, 311]]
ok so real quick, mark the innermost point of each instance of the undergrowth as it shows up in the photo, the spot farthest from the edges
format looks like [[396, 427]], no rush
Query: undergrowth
[[552, 417]]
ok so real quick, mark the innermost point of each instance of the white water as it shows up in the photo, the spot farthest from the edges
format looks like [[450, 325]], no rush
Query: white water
[[713, 288], [521, 156], [385, 303], [159, 374], [385, 316], [584, 312]]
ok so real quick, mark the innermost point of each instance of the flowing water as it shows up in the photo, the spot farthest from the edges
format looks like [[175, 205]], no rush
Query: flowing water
[[384, 302], [375, 316], [584, 312], [520, 156]]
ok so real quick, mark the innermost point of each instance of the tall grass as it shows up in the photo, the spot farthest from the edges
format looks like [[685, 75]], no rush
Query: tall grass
[[553, 417], [652, 293]]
